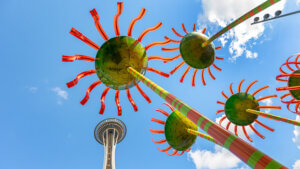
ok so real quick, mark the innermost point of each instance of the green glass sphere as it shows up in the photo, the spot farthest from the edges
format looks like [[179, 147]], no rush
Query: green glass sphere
[[236, 106], [295, 81], [193, 53], [113, 59], [175, 131]]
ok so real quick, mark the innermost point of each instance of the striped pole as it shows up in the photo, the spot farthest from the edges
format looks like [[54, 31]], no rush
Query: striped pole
[[247, 153], [207, 137], [249, 14], [274, 117]]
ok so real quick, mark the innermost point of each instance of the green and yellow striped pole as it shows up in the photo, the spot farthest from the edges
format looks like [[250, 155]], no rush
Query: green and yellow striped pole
[[249, 14], [274, 117], [247, 153], [202, 135]]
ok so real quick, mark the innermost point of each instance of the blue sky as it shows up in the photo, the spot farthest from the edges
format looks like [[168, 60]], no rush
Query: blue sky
[[42, 123]]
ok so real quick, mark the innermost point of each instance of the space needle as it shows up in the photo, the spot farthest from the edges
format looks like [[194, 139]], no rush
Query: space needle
[[109, 133]]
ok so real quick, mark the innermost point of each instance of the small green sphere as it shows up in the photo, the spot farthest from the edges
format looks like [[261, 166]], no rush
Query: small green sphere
[[175, 131], [295, 81], [194, 54], [113, 59], [236, 106]]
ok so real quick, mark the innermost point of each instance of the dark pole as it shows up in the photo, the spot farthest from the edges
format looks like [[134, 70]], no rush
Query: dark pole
[[292, 13]]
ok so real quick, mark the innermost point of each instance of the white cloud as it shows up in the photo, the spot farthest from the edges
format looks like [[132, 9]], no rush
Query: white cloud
[[298, 2], [267, 102], [62, 94], [222, 159], [296, 165], [239, 130], [245, 167], [33, 89], [251, 55], [296, 139], [242, 37]]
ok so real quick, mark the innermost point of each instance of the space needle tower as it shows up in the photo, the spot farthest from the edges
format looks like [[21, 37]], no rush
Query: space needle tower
[[109, 133]]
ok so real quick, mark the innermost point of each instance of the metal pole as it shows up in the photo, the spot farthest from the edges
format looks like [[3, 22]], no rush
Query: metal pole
[[292, 13]]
